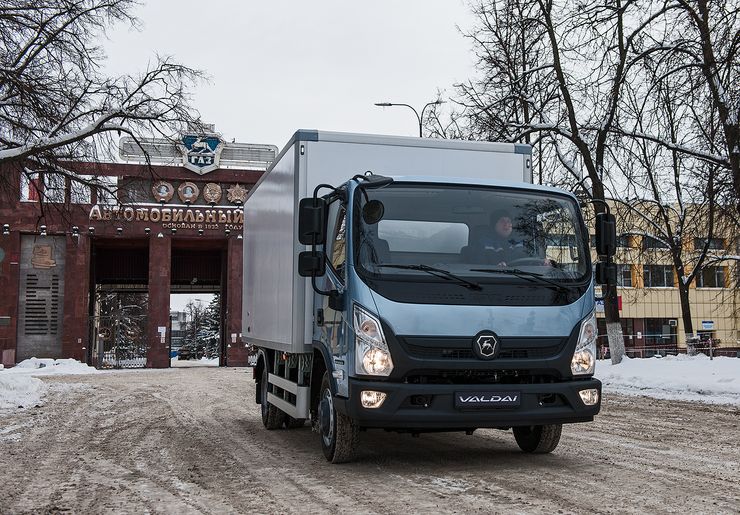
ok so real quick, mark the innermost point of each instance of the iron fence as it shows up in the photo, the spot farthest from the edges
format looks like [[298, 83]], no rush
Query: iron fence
[[119, 342]]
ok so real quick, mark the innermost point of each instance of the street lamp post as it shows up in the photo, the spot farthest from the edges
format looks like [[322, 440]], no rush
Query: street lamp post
[[419, 118]]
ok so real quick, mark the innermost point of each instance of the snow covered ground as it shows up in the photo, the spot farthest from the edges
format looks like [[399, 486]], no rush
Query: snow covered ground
[[202, 362], [681, 377], [20, 386]]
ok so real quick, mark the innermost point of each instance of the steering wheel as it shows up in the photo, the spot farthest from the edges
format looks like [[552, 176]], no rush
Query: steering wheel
[[534, 261]]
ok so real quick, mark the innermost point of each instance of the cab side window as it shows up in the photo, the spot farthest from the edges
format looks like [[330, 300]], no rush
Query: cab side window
[[336, 244]]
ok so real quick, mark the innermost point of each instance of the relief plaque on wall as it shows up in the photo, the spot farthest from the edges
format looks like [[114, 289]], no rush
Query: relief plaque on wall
[[212, 193], [188, 192], [163, 191]]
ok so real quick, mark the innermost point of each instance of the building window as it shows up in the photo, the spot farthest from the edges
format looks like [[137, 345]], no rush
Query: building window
[[628, 331], [55, 186], [107, 189], [30, 186], [624, 276], [648, 242], [659, 331], [714, 243], [658, 276], [711, 277], [623, 240], [80, 193], [52, 187]]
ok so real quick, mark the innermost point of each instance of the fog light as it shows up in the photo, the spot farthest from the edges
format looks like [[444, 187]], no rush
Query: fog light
[[589, 397], [372, 399]]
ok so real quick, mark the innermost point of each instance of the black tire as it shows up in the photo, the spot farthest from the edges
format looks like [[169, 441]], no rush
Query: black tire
[[338, 433], [294, 423], [538, 439], [272, 418]]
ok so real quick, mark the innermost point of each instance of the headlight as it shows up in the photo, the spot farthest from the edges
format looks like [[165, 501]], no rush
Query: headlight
[[584, 357], [371, 351]]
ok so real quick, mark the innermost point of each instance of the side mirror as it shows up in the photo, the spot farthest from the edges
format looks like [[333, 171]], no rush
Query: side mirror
[[606, 234], [372, 212], [311, 264], [312, 221], [606, 273]]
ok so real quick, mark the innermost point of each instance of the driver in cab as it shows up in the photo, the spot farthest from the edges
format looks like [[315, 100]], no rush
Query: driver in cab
[[499, 240], [500, 245]]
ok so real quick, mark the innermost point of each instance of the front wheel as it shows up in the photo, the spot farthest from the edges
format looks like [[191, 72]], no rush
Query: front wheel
[[538, 439], [339, 434]]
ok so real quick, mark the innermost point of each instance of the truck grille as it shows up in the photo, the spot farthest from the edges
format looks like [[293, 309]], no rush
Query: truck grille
[[462, 348], [479, 377]]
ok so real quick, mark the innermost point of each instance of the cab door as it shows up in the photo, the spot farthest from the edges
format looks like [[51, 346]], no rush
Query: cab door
[[333, 330]]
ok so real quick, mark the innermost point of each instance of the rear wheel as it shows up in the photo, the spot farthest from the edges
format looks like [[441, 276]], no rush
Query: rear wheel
[[272, 418], [538, 439], [339, 434]]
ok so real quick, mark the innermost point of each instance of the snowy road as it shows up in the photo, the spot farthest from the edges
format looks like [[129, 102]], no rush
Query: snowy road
[[191, 441]]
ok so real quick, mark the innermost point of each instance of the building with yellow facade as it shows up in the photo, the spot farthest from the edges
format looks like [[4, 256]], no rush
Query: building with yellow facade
[[650, 307]]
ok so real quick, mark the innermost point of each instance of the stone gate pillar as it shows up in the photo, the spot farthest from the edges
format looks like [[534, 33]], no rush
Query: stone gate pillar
[[75, 329], [158, 317], [236, 355]]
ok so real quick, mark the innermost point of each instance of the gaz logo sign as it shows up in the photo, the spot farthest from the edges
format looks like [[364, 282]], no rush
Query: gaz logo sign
[[201, 153], [486, 345]]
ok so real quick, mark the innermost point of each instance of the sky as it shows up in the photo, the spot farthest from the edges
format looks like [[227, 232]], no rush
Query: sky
[[178, 301], [278, 66]]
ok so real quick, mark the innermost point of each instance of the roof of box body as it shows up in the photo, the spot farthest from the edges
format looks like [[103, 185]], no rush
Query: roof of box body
[[406, 141]]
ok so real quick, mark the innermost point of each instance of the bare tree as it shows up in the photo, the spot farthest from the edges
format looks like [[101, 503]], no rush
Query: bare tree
[[694, 45], [670, 196], [628, 95], [56, 104], [574, 61], [707, 36]]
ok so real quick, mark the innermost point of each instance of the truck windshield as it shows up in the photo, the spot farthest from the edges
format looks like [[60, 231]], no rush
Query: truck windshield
[[477, 233]]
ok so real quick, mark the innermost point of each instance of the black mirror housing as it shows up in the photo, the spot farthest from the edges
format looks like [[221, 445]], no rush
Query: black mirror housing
[[312, 221], [311, 264], [606, 273], [606, 234], [336, 301]]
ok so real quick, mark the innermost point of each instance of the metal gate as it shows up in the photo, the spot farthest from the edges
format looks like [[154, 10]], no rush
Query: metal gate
[[119, 330]]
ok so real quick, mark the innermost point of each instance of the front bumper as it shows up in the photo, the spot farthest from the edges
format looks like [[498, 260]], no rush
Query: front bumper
[[545, 403]]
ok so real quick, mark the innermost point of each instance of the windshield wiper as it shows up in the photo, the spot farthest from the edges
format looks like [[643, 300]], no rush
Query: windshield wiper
[[532, 277], [438, 272]]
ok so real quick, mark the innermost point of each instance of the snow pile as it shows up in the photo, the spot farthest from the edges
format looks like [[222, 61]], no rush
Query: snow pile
[[681, 377], [49, 366], [20, 391], [19, 387]]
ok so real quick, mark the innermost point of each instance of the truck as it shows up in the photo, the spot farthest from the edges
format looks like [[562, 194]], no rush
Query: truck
[[369, 301]]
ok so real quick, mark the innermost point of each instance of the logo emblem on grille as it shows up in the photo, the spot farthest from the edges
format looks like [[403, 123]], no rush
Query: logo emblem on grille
[[486, 345]]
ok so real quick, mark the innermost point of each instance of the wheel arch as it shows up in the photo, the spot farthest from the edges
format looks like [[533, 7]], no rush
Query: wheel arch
[[262, 362], [321, 364]]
